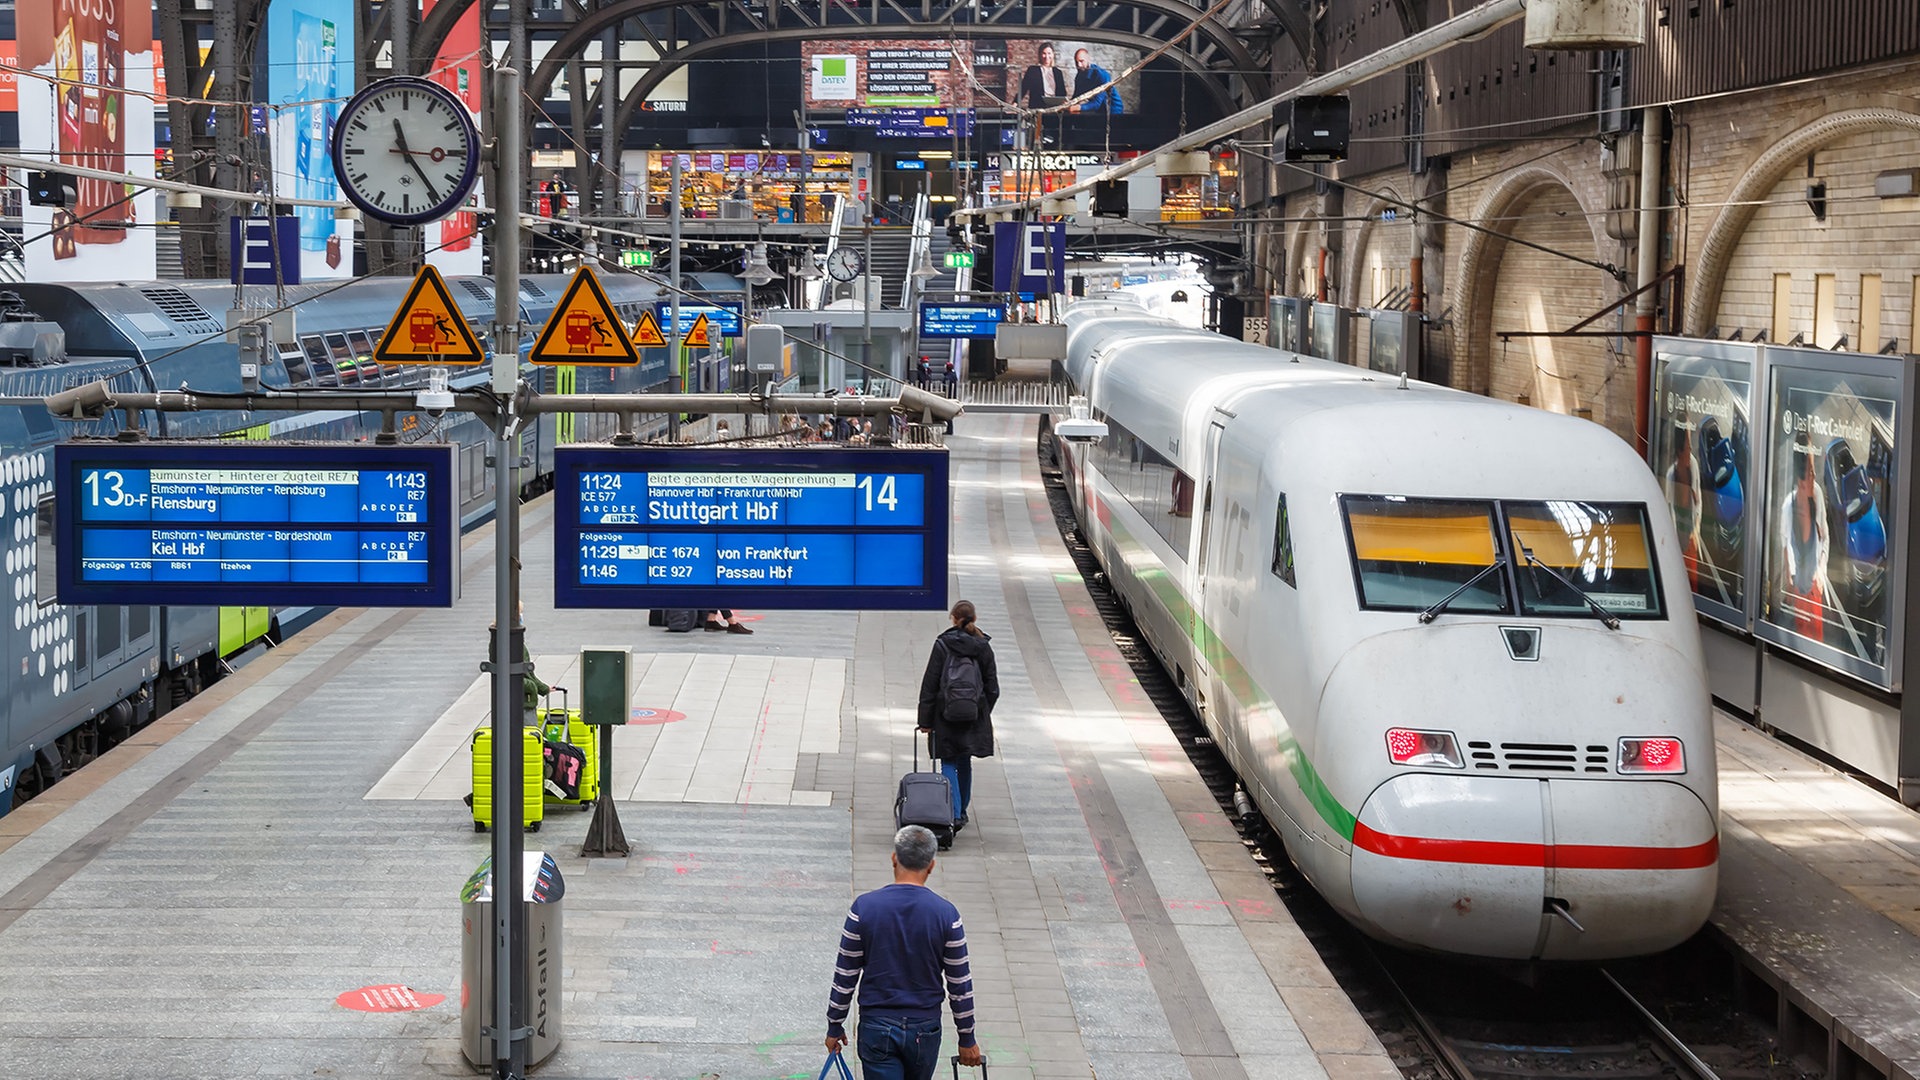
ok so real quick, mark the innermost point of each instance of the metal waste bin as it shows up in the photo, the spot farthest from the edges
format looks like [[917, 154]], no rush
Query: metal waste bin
[[542, 947]]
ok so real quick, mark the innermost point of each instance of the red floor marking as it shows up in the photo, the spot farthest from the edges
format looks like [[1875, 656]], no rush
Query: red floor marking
[[389, 998], [643, 714]]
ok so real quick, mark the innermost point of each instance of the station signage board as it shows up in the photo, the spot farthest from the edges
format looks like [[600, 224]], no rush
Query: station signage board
[[960, 320], [219, 524], [725, 318], [823, 528]]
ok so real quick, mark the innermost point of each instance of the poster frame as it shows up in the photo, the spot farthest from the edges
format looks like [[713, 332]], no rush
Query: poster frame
[[1740, 617], [1777, 363]]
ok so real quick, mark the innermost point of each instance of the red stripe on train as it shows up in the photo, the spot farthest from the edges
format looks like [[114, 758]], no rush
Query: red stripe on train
[[1558, 856]]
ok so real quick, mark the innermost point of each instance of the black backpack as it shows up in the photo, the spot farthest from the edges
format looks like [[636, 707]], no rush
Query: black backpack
[[961, 690]]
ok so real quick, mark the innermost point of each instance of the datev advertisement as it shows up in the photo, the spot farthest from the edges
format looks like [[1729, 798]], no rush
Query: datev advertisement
[[83, 102], [1702, 438], [309, 76], [1830, 450]]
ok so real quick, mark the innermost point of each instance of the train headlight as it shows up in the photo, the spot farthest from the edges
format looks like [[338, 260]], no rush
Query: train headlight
[[1435, 749], [1652, 755]]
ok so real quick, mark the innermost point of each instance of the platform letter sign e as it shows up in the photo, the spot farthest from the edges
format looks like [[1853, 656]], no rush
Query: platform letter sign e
[[255, 243], [1039, 251]]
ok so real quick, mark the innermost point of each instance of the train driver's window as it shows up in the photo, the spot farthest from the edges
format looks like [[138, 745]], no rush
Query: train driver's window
[[1595, 551], [321, 359], [1282, 544], [1410, 554]]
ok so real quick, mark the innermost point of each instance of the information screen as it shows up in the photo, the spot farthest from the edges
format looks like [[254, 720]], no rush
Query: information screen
[[250, 524], [724, 319], [960, 320], [826, 528]]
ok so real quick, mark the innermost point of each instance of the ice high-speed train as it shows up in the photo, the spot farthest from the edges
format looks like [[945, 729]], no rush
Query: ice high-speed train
[[1446, 642], [79, 679]]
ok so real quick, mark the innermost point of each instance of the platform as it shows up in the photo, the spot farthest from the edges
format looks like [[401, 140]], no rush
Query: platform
[[194, 903]]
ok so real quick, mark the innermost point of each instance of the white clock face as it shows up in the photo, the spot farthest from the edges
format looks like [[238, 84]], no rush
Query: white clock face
[[405, 151], [844, 264]]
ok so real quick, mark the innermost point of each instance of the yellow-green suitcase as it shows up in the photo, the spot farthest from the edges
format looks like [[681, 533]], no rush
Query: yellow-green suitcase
[[532, 775]]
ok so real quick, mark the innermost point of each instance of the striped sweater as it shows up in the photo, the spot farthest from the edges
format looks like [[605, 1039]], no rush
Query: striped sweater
[[901, 946]]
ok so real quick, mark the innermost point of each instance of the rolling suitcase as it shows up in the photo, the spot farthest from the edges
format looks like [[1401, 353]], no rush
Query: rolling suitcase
[[925, 798], [570, 747], [532, 776]]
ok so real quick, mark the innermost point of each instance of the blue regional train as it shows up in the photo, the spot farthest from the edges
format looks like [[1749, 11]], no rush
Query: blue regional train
[[87, 677]]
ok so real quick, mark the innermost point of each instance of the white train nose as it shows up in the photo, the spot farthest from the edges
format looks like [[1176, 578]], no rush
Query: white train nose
[[1534, 868]]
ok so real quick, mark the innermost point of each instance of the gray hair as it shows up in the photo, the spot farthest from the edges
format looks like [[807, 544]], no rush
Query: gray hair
[[914, 845]]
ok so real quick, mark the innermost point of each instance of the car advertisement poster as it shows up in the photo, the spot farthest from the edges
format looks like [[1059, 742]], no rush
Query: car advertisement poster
[[310, 57], [85, 100], [453, 242], [1702, 453], [1831, 562]]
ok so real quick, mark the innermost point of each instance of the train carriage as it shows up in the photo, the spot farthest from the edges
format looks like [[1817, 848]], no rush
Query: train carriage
[[1445, 641]]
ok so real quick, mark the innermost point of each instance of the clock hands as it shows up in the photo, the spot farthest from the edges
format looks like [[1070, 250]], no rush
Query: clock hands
[[400, 147]]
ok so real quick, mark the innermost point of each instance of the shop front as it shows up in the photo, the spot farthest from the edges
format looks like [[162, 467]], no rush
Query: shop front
[[779, 186]]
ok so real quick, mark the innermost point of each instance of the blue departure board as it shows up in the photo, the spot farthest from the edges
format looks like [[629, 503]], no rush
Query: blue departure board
[[252, 524], [961, 320], [722, 319], [823, 528]]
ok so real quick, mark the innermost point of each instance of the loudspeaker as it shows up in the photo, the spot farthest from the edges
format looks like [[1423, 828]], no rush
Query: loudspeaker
[[1317, 127], [1110, 198], [50, 189]]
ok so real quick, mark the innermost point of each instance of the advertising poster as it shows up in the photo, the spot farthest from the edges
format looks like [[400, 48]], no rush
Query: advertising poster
[[1701, 450], [452, 243], [83, 100], [309, 76], [1829, 533], [1050, 72]]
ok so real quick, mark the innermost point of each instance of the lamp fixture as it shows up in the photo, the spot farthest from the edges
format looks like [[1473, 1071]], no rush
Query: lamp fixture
[[757, 271]]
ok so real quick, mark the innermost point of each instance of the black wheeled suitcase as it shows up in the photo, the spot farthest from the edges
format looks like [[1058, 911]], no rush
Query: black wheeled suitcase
[[925, 798], [681, 620]]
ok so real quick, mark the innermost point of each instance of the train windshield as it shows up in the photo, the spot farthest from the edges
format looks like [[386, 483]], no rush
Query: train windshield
[[1411, 554], [1570, 553]]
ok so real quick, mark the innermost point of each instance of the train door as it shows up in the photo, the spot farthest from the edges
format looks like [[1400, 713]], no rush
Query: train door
[[1200, 629]]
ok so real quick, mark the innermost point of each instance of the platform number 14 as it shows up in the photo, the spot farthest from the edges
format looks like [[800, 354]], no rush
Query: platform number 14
[[884, 497]]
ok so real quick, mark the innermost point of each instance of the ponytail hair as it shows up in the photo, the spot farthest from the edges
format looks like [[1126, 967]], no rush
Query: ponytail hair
[[963, 617]]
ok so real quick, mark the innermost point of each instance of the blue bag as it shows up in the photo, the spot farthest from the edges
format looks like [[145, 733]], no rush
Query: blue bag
[[835, 1059]]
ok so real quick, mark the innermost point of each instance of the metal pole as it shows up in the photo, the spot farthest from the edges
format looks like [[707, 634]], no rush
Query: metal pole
[[673, 298], [509, 910], [866, 295], [1652, 122]]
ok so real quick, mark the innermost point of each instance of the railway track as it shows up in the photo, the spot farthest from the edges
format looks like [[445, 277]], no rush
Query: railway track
[[1447, 1019]]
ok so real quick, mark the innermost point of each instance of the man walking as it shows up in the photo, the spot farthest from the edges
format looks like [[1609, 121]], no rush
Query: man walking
[[901, 946]]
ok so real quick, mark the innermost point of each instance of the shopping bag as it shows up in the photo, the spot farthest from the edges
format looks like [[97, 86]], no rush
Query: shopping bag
[[565, 763], [833, 1059]]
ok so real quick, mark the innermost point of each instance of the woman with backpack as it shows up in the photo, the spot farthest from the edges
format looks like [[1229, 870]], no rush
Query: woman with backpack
[[956, 702]]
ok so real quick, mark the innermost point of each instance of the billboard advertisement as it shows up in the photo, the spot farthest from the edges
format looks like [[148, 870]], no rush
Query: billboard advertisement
[[984, 74], [1701, 449], [1832, 566], [452, 245], [309, 75], [84, 101]]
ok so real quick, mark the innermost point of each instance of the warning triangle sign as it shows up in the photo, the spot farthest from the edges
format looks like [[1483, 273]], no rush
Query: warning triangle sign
[[646, 334], [428, 328], [583, 329], [701, 336]]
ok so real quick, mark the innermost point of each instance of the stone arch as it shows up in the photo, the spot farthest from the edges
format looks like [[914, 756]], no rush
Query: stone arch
[[1299, 279], [1480, 259], [1356, 262], [1743, 201]]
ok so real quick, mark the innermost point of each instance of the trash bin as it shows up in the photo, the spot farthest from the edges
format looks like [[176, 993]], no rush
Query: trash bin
[[542, 947]]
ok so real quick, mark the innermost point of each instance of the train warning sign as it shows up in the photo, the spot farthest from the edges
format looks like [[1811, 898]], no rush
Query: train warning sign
[[583, 329], [701, 336], [428, 328], [646, 333]]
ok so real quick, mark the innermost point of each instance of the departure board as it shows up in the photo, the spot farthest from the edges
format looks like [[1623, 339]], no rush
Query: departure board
[[824, 528], [250, 524]]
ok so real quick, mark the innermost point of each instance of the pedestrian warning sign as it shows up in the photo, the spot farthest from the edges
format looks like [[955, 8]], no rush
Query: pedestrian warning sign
[[701, 336], [583, 329], [646, 334], [428, 328]]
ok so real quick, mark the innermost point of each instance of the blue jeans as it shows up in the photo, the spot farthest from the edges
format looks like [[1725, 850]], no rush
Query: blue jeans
[[895, 1049], [960, 778]]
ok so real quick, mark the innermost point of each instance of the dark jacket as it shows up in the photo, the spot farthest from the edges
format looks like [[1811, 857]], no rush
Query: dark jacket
[[1033, 88], [953, 740]]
